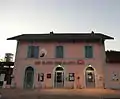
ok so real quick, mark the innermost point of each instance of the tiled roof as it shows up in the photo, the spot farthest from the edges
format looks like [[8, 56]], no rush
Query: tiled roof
[[61, 36], [113, 56]]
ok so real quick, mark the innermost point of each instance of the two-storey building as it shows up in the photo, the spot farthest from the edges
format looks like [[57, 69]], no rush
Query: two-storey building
[[60, 60]]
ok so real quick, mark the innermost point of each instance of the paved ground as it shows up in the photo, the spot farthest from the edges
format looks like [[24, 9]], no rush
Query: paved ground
[[61, 94]]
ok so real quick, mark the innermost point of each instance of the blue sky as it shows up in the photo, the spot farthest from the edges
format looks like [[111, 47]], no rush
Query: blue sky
[[42, 16]]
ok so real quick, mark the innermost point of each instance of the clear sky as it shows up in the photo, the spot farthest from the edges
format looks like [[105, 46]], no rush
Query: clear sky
[[42, 16]]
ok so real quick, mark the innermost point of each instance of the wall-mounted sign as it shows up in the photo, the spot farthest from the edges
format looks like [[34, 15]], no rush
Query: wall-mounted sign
[[49, 76], [40, 77], [80, 62], [63, 62], [37, 62], [71, 76]]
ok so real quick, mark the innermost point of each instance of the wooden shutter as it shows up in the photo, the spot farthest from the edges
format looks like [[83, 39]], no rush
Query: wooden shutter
[[29, 51], [88, 52], [59, 51], [36, 51]]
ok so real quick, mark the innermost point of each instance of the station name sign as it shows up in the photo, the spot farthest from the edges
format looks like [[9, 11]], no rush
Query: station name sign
[[72, 62]]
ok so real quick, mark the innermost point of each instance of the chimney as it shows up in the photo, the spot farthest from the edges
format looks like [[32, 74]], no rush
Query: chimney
[[92, 32], [51, 32]]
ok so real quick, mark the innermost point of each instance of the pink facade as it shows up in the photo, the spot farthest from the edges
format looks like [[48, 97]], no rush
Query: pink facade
[[73, 51]]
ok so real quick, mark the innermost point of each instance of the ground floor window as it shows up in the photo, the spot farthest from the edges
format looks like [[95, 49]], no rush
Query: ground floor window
[[29, 77]]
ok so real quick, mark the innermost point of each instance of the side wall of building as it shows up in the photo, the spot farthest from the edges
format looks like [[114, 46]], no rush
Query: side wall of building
[[111, 81]]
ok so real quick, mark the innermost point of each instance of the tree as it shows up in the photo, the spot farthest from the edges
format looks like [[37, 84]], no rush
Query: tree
[[2, 60]]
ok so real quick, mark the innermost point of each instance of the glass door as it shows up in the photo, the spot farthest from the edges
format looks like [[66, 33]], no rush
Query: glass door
[[90, 80], [59, 79]]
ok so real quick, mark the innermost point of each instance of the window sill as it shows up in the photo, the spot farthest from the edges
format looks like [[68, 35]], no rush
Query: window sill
[[89, 58], [60, 58], [31, 58]]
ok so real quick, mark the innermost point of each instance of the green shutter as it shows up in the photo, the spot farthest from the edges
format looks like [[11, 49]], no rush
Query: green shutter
[[59, 51], [36, 51], [29, 52], [88, 52], [91, 51], [33, 52]]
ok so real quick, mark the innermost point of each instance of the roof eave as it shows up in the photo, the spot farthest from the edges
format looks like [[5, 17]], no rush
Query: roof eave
[[21, 37], [108, 37], [11, 39], [86, 39], [111, 38], [15, 37]]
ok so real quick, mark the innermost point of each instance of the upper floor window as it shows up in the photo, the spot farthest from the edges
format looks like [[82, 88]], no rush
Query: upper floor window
[[33, 52], [88, 51], [59, 52]]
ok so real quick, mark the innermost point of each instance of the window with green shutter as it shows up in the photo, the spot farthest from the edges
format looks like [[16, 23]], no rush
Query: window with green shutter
[[59, 52], [33, 52], [88, 51]]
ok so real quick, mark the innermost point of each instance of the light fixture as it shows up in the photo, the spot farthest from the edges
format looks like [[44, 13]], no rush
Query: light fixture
[[90, 65], [59, 66], [89, 77]]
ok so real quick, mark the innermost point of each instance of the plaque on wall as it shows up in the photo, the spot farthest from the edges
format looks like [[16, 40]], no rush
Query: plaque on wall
[[37, 62], [49, 76]]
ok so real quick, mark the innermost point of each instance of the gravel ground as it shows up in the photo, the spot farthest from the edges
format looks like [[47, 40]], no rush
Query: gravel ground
[[60, 94]]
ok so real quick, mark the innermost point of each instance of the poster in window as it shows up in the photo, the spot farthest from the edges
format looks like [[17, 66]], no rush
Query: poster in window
[[71, 77], [41, 77]]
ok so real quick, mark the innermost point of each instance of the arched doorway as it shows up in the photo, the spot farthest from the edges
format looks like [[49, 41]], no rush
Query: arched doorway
[[29, 77], [59, 77], [90, 77]]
